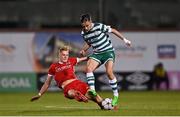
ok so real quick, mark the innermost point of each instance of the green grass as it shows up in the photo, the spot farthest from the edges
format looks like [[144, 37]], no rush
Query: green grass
[[131, 103]]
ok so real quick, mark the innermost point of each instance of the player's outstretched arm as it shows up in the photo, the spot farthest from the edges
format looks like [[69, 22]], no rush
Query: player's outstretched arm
[[84, 49], [43, 89], [82, 59], [118, 34]]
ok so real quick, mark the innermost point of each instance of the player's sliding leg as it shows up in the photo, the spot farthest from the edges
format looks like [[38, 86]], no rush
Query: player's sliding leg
[[97, 99], [77, 95], [80, 97]]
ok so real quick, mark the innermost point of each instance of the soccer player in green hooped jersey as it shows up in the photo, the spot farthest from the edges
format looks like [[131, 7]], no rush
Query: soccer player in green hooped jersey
[[96, 36]]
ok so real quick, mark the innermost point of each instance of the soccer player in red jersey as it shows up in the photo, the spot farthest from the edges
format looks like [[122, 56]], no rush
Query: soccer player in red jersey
[[64, 75]]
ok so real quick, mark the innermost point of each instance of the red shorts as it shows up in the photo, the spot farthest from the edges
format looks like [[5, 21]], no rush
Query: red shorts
[[76, 85]]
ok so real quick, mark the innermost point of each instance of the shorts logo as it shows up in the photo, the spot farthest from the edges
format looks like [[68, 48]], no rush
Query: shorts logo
[[111, 55]]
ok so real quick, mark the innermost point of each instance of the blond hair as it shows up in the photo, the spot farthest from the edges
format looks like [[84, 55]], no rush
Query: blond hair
[[64, 48]]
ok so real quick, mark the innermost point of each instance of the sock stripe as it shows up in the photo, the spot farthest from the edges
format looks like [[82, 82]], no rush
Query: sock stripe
[[113, 83], [92, 81], [115, 88], [89, 79], [91, 84]]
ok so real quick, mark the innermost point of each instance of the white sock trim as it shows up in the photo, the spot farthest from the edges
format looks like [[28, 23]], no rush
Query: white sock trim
[[89, 74], [116, 94], [92, 87], [113, 80]]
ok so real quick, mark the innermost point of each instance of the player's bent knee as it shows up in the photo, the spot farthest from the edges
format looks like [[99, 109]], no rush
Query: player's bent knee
[[71, 94], [89, 69]]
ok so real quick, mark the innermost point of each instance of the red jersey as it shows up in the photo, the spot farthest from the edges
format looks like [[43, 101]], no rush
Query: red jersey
[[63, 71]]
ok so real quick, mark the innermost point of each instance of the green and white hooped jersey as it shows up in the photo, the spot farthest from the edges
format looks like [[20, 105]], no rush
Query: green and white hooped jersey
[[98, 38]]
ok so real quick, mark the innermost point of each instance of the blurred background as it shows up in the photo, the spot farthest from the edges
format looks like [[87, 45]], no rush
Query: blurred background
[[31, 31], [122, 14]]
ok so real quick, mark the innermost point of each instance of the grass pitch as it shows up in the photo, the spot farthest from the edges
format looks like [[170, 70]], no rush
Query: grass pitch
[[150, 103]]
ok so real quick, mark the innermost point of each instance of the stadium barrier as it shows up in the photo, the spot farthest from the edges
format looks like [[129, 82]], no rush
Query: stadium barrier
[[26, 56]]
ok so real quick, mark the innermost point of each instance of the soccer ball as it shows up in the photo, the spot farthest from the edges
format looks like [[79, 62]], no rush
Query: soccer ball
[[107, 104]]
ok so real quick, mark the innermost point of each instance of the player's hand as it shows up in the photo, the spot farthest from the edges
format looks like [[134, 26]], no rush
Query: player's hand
[[35, 98], [82, 52], [127, 42]]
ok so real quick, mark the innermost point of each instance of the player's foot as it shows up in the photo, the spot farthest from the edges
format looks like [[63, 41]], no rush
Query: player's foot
[[101, 106], [92, 93], [115, 101], [80, 97], [115, 108]]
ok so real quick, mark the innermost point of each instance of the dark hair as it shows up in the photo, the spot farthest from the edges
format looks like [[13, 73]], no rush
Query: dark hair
[[85, 17], [160, 64]]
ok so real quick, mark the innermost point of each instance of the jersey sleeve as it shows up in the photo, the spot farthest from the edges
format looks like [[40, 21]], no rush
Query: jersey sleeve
[[51, 70], [105, 28], [73, 60]]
